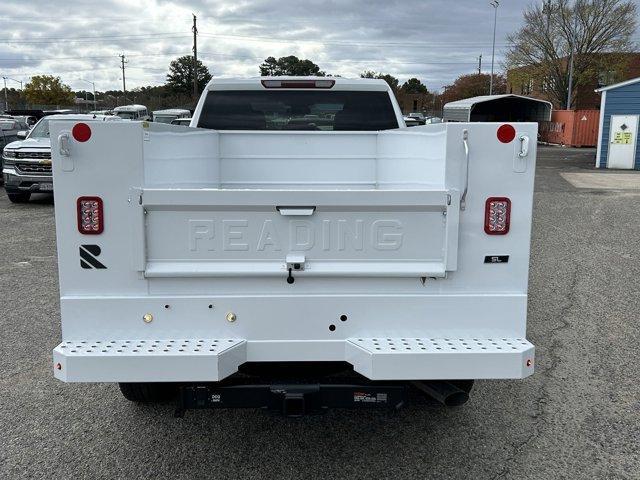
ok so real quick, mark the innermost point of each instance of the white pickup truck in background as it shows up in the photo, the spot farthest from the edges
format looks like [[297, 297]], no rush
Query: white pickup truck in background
[[301, 228]]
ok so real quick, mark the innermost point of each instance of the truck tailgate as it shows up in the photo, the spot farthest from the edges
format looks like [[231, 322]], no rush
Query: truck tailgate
[[203, 232]]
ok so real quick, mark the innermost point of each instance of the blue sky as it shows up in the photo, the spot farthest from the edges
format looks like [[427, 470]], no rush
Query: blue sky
[[433, 40]]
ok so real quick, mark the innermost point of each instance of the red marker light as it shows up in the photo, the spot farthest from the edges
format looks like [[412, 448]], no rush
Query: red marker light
[[506, 133], [81, 132]]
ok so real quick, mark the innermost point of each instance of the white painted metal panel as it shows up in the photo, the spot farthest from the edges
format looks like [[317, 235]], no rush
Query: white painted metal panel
[[623, 140], [298, 315]]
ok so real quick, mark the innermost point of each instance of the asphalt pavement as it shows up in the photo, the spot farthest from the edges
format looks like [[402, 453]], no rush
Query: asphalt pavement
[[577, 417]]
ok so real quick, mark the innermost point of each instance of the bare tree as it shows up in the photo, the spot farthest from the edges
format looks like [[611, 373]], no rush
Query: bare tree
[[598, 32]]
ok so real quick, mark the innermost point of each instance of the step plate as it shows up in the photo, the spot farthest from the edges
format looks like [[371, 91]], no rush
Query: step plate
[[440, 358], [206, 360]]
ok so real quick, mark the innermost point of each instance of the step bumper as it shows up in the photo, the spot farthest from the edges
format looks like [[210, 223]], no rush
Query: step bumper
[[211, 360], [441, 358], [179, 360]]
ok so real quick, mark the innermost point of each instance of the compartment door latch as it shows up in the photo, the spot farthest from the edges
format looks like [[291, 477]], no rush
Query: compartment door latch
[[295, 263]]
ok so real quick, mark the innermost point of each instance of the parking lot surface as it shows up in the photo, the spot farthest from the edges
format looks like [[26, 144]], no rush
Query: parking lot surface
[[577, 417]]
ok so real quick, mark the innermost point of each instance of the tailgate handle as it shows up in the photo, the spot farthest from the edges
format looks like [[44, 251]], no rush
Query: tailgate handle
[[296, 211]]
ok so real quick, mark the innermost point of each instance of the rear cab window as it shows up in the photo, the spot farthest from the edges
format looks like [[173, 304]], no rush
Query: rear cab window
[[298, 110]]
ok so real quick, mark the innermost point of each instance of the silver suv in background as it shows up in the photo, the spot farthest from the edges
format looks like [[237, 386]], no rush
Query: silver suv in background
[[26, 164]]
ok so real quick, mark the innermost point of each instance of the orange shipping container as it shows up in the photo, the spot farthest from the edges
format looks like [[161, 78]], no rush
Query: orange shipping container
[[573, 128]]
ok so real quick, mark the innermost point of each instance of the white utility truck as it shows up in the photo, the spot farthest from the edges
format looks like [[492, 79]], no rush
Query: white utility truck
[[301, 249], [132, 112]]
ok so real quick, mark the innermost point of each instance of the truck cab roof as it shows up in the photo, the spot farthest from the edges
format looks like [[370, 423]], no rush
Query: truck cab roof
[[258, 83]]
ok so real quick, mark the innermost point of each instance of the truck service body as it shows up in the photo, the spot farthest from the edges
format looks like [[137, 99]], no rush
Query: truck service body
[[301, 223]]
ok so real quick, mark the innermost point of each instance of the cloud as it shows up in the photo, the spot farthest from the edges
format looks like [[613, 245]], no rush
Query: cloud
[[435, 41]]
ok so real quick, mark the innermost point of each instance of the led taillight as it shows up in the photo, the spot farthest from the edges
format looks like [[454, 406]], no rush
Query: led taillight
[[90, 215], [497, 215], [298, 83]]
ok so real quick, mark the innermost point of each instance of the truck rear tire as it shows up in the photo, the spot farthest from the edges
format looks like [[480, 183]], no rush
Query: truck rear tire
[[19, 197], [148, 392]]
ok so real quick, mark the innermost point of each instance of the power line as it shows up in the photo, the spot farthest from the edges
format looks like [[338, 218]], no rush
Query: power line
[[165, 54], [240, 57], [81, 37], [148, 71], [164, 35], [352, 43], [92, 39], [81, 18], [344, 60], [89, 57], [154, 71]]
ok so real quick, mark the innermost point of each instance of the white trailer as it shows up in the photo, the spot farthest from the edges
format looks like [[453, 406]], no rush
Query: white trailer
[[186, 254]]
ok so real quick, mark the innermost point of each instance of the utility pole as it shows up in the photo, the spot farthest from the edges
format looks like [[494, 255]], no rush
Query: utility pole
[[6, 98], [495, 4], [480, 64], [194, 29], [124, 84]]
